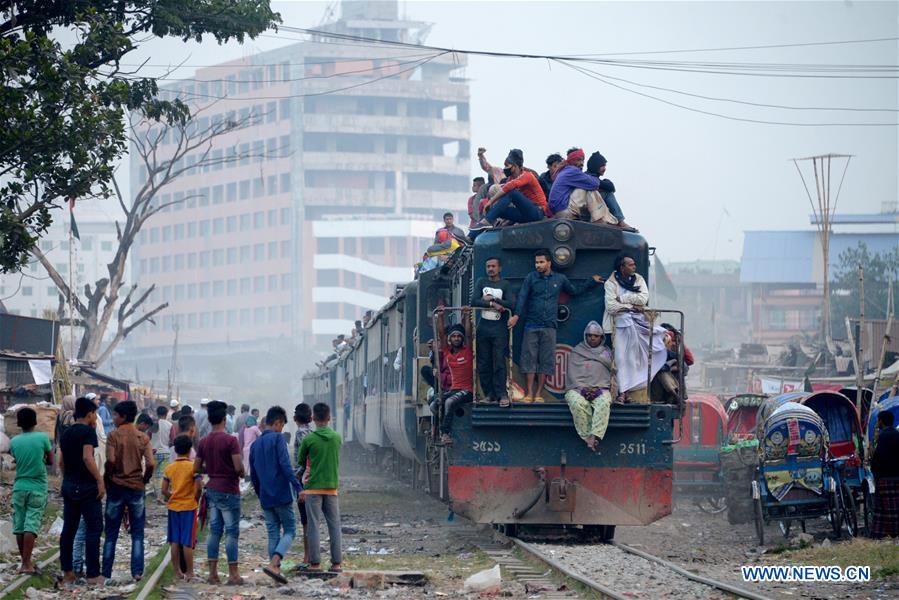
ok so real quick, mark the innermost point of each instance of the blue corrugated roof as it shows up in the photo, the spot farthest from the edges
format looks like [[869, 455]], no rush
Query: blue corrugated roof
[[787, 256]]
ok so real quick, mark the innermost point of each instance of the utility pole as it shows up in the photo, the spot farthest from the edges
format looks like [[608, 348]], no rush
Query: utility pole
[[859, 358], [823, 210]]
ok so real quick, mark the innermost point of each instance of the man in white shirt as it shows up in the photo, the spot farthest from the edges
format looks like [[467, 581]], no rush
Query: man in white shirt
[[162, 432]]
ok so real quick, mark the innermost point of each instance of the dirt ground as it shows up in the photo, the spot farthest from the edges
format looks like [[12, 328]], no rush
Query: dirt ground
[[386, 527], [708, 545]]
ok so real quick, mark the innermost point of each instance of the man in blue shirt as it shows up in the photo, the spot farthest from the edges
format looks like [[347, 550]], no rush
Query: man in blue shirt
[[103, 412], [276, 486], [594, 192], [538, 302]]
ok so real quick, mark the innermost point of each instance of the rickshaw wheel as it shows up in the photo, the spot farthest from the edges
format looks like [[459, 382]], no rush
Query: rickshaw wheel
[[836, 513], [785, 528], [760, 521], [712, 505], [867, 509], [850, 511]]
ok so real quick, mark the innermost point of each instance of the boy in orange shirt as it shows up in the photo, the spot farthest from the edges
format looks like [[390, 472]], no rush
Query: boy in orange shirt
[[181, 488]]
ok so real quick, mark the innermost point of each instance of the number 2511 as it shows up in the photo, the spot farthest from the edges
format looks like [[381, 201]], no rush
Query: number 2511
[[633, 448]]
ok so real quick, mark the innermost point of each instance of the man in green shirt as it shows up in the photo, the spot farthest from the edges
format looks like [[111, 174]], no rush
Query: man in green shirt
[[32, 452], [322, 448]]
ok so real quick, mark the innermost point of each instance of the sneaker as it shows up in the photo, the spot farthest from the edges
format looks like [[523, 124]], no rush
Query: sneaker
[[480, 226]]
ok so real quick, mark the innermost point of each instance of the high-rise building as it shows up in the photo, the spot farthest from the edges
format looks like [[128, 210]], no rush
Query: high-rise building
[[358, 148]]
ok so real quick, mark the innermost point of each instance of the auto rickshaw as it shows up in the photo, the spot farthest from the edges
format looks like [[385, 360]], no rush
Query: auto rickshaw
[[794, 480], [854, 481]]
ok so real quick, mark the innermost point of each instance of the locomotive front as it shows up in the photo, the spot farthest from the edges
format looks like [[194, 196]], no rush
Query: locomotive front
[[524, 467]]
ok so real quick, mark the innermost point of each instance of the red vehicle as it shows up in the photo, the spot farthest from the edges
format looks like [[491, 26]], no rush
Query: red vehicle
[[696, 465], [742, 411]]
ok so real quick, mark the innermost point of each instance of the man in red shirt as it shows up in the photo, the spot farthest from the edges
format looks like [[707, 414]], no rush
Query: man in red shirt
[[459, 359], [520, 199]]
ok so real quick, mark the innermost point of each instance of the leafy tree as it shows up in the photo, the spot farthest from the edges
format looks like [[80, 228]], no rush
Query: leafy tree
[[879, 268], [62, 103]]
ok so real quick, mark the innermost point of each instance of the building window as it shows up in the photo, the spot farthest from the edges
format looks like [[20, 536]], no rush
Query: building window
[[87, 243], [179, 231], [27, 290], [271, 184], [272, 218], [273, 283], [259, 252], [191, 291], [258, 187], [218, 257], [231, 193], [349, 246], [328, 246], [204, 289], [179, 262], [285, 183], [106, 246], [328, 278], [166, 264], [231, 224], [244, 317], [284, 109], [218, 194], [373, 245], [245, 254], [244, 286], [245, 189], [192, 260], [218, 288], [285, 281], [258, 284], [232, 256], [191, 230], [285, 313], [232, 287], [259, 316], [245, 222], [258, 220]]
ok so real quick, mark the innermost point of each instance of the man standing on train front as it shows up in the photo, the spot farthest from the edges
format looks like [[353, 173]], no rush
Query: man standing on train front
[[538, 301], [492, 292]]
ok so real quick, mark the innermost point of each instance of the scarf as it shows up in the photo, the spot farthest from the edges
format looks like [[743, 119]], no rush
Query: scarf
[[574, 156], [583, 371], [628, 283]]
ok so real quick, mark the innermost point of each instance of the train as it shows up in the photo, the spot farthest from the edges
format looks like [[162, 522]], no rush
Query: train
[[522, 469]]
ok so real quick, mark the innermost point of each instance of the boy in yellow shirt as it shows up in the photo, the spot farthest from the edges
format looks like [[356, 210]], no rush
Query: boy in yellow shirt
[[182, 488]]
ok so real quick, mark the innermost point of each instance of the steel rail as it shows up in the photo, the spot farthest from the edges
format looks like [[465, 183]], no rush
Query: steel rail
[[726, 587], [16, 583], [601, 589]]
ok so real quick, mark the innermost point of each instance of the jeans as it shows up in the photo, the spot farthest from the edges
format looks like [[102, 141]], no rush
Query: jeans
[[323, 508], [493, 350], [612, 204], [516, 207], [452, 400], [78, 548], [280, 518], [118, 498], [224, 517], [80, 501]]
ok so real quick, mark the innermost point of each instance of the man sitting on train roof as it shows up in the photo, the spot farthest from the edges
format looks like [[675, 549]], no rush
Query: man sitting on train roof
[[554, 163], [575, 194], [476, 201], [459, 359], [449, 230], [596, 166], [538, 301], [519, 200], [589, 382]]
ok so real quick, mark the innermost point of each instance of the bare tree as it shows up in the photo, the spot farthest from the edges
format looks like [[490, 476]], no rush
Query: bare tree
[[106, 304]]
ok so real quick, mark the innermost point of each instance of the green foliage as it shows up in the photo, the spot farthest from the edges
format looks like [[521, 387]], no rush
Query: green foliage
[[62, 105], [879, 269]]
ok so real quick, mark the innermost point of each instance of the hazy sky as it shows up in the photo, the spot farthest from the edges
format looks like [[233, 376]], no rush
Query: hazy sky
[[692, 183]]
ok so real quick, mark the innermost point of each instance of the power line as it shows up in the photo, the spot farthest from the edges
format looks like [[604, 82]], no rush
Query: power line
[[735, 48], [417, 64], [734, 100], [602, 79]]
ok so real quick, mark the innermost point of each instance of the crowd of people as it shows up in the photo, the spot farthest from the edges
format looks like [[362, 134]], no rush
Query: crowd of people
[[194, 461]]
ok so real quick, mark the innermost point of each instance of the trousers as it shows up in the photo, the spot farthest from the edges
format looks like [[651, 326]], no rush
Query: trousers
[[591, 417], [319, 508], [452, 400], [516, 207], [493, 351]]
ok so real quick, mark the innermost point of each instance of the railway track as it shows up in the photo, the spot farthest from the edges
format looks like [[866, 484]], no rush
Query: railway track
[[620, 572]]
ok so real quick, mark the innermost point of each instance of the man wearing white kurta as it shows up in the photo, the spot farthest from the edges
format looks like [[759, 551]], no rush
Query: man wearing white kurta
[[627, 298]]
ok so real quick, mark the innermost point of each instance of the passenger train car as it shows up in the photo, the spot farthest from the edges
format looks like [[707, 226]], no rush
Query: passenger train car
[[524, 468]]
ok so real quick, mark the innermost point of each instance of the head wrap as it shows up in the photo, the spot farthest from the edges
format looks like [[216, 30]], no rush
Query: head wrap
[[593, 328], [457, 328], [574, 156], [251, 420], [595, 163], [516, 157], [68, 402]]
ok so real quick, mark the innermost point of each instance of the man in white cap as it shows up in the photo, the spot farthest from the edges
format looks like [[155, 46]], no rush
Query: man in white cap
[[202, 417]]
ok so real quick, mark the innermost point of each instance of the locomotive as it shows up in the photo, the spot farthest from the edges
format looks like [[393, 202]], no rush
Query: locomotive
[[522, 469]]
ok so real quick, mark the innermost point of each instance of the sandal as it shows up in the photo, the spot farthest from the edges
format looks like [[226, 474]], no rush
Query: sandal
[[275, 575], [336, 568], [505, 402]]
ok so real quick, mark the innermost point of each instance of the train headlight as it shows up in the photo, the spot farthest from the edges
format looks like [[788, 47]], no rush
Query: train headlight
[[563, 232], [563, 256]]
